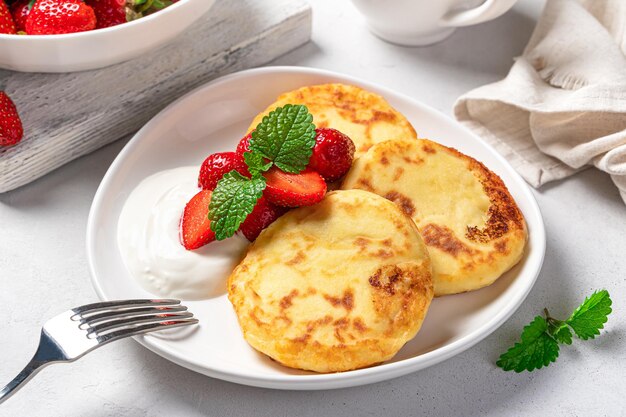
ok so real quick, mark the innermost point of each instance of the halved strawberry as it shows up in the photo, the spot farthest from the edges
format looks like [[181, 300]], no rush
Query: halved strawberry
[[195, 226], [263, 215], [294, 190], [216, 165]]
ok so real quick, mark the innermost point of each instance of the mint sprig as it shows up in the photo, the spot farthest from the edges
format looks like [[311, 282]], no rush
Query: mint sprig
[[232, 200], [539, 345], [284, 138]]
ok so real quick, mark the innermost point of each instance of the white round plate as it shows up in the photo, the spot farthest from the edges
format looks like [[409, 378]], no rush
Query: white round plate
[[213, 118]]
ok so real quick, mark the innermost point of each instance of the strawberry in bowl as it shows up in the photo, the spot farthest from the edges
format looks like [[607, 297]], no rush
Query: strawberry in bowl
[[77, 35]]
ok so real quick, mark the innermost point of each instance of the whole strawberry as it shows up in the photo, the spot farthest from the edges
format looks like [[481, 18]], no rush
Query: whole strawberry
[[11, 130], [108, 12], [53, 17], [244, 144], [6, 21], [216, 165], [332, 155], [20, 10]]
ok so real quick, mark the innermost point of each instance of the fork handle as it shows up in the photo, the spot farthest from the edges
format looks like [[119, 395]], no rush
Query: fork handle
[[19, 381], [47, 352]]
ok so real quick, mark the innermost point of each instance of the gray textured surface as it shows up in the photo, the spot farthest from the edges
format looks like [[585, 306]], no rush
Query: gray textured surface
[[43, 271], [69, 115]]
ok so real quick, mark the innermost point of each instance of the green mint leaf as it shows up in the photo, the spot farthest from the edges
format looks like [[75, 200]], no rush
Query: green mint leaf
[[536, 349], [286, 137], [256, 163], [232, 200], [563, 334], [591, 315]]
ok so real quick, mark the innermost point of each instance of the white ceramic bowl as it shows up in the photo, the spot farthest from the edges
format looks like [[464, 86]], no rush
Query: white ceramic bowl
[[102, 47]]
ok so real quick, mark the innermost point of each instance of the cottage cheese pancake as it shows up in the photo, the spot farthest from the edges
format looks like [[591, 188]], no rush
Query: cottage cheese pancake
[[365, 117], [472, 226], [336, 286]]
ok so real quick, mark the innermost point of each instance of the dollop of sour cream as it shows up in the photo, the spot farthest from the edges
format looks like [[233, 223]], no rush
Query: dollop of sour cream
[[148, 239]]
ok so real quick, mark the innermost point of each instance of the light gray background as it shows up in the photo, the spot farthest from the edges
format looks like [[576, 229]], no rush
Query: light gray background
[[43, 271]]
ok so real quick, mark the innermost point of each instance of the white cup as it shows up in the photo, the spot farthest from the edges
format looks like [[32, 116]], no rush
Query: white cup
[[424, 22]]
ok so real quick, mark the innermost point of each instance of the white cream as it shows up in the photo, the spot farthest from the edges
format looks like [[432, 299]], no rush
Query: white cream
[[148, 238]]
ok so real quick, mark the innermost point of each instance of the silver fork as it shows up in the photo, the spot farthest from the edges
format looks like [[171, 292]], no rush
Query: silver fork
[[71, 335]]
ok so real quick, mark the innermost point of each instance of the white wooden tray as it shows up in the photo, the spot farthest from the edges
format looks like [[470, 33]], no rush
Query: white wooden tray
[[66, 116]]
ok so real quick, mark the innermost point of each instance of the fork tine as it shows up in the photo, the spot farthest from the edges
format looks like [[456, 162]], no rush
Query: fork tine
[[107, 305], [119, 324], [111, 315], [146, 328]]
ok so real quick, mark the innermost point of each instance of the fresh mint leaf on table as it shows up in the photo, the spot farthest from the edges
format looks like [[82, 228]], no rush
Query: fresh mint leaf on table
[[536, 349], [590, 317], [284, 138], [539, 345]]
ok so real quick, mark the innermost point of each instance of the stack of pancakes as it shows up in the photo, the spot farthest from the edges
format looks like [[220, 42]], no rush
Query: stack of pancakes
[[346, 283]]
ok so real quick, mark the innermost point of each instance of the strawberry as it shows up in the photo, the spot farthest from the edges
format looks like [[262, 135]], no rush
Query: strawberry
[[244, 144], [263, 215], [216, 165], [52, 17], [11, 130], [332, 154], [294, 190], [6, 21], [108, 12], [20, 10], [195, 230]]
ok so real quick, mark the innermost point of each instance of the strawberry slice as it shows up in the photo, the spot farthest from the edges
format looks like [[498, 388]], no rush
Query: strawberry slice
[[195, 224], [263, 215], [294, 190]]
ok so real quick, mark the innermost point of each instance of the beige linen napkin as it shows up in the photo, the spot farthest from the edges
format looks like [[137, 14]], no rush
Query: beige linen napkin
[[562, 106]]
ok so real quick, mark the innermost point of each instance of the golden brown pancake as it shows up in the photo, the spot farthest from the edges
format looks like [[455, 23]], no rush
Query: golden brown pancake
[[469, 221], [365, 117], [336, 286]]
